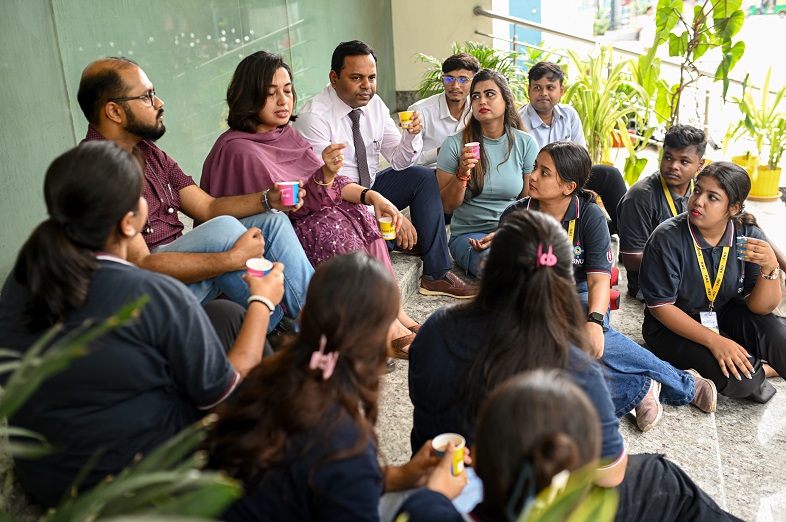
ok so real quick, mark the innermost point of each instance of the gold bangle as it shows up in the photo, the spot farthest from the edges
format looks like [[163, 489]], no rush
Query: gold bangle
[[322, 184]]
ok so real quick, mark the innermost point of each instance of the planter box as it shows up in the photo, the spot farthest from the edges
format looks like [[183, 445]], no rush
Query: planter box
[[764, 182]]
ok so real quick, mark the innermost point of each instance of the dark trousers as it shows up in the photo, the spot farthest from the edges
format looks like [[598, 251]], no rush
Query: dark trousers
[[416, 187], [607, 181], [227, 317], [657, 490], [762, 335]]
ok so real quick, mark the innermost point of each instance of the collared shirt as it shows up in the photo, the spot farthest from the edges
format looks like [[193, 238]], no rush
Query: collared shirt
[[670, 273], [642, 209], [565, 125], [163, 181], [591, 241], [438, 124], [325, 120]]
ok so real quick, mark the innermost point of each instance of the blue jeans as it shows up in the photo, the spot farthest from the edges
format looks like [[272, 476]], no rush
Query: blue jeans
[[281, 245], [464, 255], [629, 368]]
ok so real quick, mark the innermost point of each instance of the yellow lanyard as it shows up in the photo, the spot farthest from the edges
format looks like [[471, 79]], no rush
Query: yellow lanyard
[[712, 291], [571, 230], [667, 192]]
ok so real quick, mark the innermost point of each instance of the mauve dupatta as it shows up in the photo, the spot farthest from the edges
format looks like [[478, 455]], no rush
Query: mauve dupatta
[[244, 163]]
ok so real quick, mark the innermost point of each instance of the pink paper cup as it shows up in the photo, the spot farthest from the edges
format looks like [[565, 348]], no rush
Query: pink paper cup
[[475, 146], [258, 266], [290, 193]]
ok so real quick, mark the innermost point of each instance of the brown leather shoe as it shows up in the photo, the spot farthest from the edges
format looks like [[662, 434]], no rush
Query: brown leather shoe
[[706, 394], [450, 285], [649, 410], [397, 347]]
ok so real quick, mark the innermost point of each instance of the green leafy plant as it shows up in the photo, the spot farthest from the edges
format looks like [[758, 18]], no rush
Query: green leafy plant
[[579, 501], [606, 99], [505, 62], [763, 122], [167, 482], [713, 26]]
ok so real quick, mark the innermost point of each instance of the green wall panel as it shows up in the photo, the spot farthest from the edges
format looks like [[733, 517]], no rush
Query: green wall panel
[[188, 48]]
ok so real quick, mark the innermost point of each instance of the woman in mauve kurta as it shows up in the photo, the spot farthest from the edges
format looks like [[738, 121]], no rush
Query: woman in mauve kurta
[[261, 149]]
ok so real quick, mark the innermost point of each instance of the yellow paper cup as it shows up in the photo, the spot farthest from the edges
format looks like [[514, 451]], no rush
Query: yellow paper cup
[[387, 228], [405, 117], [440, 442]]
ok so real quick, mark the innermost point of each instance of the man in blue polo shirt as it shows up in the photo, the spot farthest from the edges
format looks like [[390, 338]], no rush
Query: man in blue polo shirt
[[656, 198]]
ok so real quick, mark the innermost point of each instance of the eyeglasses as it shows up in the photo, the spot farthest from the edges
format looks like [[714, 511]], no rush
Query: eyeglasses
[[149, 96], [450, 79]]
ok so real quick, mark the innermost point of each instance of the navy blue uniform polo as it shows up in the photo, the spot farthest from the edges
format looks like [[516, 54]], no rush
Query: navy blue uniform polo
[[591, 241], [670, 272], [642, 209]]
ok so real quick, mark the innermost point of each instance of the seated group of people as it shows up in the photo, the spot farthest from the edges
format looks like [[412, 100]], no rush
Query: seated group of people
[[541, 305]]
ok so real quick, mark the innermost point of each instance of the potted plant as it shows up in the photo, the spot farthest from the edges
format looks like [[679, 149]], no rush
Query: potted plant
[[606, 99], [713, 25], [766, 126]]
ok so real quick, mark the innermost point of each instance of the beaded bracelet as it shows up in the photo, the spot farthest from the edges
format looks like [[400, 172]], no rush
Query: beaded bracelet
[[264, 300]]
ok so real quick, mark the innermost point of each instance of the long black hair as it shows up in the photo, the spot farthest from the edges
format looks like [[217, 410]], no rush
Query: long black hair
[[282, 398], [88, 190], [473, 132], [532, 310]]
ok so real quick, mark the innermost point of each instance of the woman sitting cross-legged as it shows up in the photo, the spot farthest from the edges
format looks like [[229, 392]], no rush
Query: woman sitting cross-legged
[[710, 280], [527, 316], [477, 190], [300, 434], [261, 149], [140, 384]]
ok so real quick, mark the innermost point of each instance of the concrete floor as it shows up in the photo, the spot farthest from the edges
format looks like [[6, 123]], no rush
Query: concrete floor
[[737, 454]]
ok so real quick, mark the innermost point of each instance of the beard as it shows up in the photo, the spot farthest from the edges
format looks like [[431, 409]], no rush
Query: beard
[[144, 131]]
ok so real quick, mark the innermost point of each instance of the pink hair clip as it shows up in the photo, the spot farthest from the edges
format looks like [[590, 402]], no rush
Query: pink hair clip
[[322, 361], [545, 259]]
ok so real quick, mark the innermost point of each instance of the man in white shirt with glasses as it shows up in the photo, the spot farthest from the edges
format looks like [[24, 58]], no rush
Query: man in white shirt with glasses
[[446, 113]]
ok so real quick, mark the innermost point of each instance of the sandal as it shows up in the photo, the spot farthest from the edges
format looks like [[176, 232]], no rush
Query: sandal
[[414, 329], [397, 347]]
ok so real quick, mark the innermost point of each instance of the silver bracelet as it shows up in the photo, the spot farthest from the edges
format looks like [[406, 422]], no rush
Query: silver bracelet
[[266, 203], [264, 300]]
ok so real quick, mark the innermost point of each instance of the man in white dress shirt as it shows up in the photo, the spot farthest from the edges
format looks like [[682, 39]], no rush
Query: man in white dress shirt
[[348, 111], [548, 121], [446, 113]]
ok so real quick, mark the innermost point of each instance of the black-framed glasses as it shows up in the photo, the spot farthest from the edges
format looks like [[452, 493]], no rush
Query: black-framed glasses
[[461, 79], [149, 96]]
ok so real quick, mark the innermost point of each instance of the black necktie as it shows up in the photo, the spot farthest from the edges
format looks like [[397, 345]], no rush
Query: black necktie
[[360, 149]]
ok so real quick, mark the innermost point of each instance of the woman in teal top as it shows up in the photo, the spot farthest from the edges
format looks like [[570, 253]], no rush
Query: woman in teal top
[[477, 190]]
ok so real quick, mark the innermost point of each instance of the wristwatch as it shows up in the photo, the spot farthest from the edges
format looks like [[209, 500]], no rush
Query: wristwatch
[[265, 203], [595, 317], [774, 275]]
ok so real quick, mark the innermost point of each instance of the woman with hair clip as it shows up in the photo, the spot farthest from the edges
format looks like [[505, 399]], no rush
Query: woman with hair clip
[[300, 434], [478, 188], [141, 383], [636, 379], [262, 149], [710, 281], [532, 432], [527, 316]]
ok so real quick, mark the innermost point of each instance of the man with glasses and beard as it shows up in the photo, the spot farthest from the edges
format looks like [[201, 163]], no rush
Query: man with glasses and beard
[[121, 105]]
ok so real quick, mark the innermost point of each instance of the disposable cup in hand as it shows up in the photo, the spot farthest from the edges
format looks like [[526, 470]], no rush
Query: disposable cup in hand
[[290, 193], [742, 247], [440, 443], [387, 228], [258, 266], [405, 117], [475, 146]]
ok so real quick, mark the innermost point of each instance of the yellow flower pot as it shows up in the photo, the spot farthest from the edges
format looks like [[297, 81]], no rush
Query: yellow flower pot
[[764, 184], [747, 161]]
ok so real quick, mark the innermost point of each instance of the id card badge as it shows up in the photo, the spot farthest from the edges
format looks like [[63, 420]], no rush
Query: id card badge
[[710, 320]]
